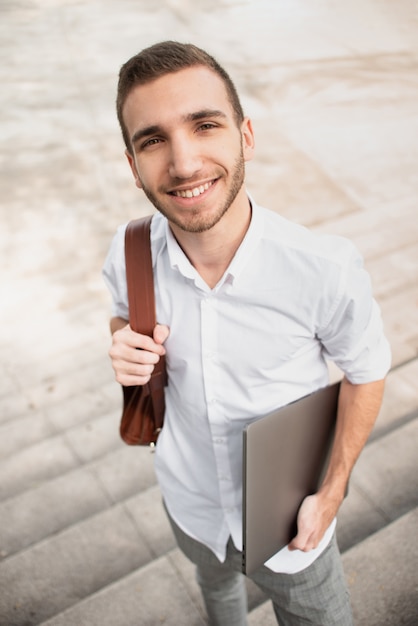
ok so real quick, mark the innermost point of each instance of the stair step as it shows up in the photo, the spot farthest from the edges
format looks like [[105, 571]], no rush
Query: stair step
[[63, 501], [382, 486], [94, 553], [25, 425], [154, 595], [400, 399], [58, 454], [62, 570], [382, 575]]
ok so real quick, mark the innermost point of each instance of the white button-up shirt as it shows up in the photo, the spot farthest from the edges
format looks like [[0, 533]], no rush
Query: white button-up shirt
[[289, 300]]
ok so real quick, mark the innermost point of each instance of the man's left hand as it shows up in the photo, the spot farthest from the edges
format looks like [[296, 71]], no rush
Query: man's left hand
[[315, 515]]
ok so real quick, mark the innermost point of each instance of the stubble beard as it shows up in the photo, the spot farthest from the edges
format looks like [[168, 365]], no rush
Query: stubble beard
[[192, 221]]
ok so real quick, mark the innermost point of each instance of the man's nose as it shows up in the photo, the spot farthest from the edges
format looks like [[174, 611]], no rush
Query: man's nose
[[185, 159]]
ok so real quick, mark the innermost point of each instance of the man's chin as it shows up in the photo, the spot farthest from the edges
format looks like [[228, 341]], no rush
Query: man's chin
[[193, 225]]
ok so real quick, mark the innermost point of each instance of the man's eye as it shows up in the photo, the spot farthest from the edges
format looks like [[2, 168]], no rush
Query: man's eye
[[151, 142], [207, 126]]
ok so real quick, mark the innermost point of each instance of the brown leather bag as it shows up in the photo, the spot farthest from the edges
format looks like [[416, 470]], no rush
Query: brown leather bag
[[143, 406]]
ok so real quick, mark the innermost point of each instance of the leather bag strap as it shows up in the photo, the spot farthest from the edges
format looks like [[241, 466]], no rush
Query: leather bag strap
[[141, 299], [139, 276]]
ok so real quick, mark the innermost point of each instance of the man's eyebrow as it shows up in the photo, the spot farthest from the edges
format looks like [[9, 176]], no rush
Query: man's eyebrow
[[204, 113], [190, 117], [145, 132]]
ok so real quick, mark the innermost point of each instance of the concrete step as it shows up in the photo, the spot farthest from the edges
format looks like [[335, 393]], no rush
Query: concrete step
[[383, 486], [60, 502], [153, 595], [400, 402], [51, 457], [82, 521], [149, 596], [69, 566], [80, 542], [382, 575], [164, 589]]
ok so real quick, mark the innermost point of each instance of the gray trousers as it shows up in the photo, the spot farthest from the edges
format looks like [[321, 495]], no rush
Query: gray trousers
[[318, 595]]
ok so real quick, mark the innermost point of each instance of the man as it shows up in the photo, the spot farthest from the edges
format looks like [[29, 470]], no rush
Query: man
[[248, 307]]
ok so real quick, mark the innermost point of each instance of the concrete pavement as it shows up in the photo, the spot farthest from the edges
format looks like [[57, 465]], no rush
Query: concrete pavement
[[333, 93]]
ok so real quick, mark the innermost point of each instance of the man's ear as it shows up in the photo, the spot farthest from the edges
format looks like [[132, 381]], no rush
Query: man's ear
[[248, 142], [131, 161]]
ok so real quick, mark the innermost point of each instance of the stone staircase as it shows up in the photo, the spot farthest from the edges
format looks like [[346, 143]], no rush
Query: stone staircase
[[85, 542]]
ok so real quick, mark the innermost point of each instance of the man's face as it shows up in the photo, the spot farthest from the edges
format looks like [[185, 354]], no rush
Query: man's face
[[188, 152]]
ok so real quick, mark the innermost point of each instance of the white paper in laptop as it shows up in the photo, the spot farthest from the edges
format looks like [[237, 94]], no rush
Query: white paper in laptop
[[285, 455]]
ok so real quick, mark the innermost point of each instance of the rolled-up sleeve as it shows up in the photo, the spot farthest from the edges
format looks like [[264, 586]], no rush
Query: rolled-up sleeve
[[352, 334]]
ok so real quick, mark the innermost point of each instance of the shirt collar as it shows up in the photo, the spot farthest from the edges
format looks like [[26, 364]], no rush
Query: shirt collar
[[180, 262]]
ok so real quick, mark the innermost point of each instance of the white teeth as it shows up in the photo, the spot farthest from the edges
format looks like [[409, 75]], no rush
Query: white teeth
[[193, 193]]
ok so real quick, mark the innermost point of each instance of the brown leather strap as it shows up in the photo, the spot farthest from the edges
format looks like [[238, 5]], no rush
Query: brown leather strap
[[141, 298], [139, 276]]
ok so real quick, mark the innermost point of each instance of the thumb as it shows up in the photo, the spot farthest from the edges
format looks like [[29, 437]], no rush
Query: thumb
[[161, 333]]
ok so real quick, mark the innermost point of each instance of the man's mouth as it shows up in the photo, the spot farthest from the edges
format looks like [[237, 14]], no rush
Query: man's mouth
[[194, 192]]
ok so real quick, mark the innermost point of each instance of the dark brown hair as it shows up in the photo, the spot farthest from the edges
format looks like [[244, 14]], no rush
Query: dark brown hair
[[164, 58]]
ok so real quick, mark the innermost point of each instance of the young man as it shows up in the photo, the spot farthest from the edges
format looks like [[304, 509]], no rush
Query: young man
[[248, 307]]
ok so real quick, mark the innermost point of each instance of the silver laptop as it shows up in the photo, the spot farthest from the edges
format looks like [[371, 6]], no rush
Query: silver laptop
[[285, 457]]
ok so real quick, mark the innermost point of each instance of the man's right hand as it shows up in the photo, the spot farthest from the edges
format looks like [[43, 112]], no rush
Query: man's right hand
[[134, 355]]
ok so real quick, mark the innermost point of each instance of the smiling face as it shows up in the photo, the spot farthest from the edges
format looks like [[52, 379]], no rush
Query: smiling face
[[187, 151]]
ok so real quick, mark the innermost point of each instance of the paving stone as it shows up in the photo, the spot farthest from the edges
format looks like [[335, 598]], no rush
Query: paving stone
[[381, 574]]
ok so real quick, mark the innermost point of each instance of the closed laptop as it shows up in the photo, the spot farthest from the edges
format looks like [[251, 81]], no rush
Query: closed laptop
[[284, 459]]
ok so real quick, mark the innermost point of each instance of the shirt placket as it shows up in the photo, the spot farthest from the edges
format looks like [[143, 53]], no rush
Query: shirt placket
[[214, 403]]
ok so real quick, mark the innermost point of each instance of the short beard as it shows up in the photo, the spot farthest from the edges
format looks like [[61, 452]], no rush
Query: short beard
[[201, 225]]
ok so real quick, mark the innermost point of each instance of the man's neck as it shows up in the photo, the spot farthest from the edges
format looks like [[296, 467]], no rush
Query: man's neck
[[212, 251]]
